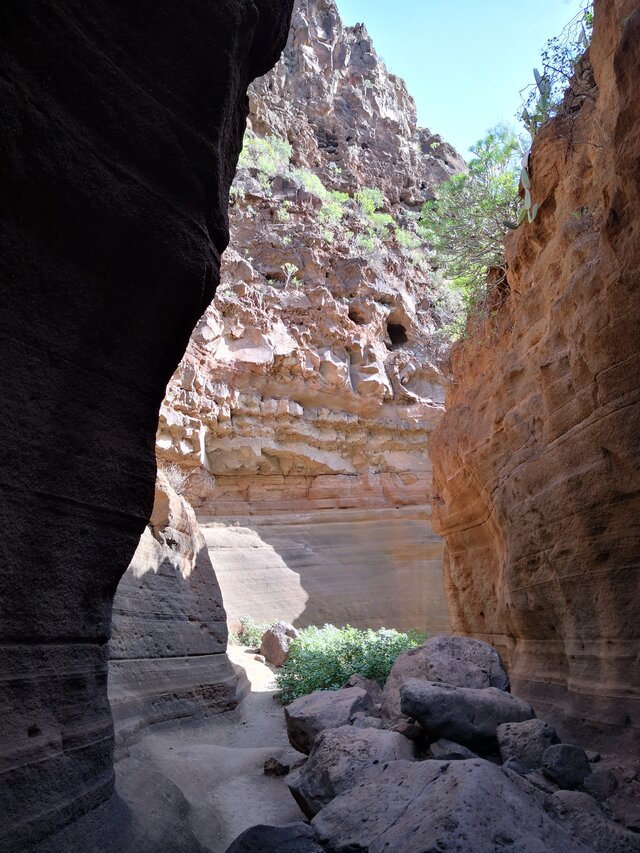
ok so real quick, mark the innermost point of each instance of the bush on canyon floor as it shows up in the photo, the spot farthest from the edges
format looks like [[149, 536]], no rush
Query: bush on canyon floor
[[324, 658], [249, 633]]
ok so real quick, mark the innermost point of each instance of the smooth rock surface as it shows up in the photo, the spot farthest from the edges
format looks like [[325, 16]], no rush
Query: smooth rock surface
[[323, 709], [439, 805], [462, 714], [525, 742], [122, 126], [292, 838], [447, 750], [339, 758]]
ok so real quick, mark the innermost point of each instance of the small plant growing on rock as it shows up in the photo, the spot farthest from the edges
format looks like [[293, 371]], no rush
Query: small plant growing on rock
[[177, 476], [249, 633], [289, 271]]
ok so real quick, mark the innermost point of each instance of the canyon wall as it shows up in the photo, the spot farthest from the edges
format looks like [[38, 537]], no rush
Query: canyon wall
[[303, 406], [122, 124], [536, 460], [169, 629]]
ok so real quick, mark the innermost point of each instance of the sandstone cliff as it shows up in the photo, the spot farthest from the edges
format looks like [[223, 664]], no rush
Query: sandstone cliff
[[303, 405], [535, 461], [121, 127]]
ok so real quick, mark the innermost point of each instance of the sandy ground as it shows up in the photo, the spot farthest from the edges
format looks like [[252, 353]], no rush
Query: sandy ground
[[197, 785]]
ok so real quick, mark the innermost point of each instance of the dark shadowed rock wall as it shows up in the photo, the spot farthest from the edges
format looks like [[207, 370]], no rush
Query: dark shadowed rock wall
[[121, 126], [536, 460]]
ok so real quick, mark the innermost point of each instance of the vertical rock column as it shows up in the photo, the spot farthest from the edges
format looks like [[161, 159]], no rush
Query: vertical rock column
[[122, 123]]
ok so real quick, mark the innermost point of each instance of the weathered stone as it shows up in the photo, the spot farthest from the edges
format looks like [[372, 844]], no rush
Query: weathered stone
[[586, 821], [338, 759], [273, 767], [324, 709], [536, 487], [293, 838], [444, 806], [276, 641], [370, 685], [447, 750], [566, 765], [601, 784], [525, 742], [452, 660], [121, 131], [465, 715]]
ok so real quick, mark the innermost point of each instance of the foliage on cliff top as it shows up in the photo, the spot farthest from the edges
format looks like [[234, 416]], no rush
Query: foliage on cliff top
[[465, 224], [324, 658]]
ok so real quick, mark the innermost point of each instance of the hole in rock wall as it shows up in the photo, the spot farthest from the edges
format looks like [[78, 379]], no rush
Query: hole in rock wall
[[357, 316], [397, 334]]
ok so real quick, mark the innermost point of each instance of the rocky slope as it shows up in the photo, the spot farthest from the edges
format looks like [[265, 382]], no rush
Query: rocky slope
[[303, 405], [535, 461], [122, 125]]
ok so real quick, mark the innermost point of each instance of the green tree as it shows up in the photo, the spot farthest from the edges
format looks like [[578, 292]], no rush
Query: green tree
[[466, 223]]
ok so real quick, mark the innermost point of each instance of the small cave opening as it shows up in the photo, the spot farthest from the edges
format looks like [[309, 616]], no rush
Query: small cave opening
[[397, 334], [356, 316]]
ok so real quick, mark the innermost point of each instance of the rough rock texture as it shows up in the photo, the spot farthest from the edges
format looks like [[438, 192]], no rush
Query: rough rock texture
[[296, 837], [566, 765], [275, 643], [323, 709], [338, 759], [525, 742], [459, 661], [440, 805], [121, 126], [305, 400], [465, 715], [168, 633], [535, 462]]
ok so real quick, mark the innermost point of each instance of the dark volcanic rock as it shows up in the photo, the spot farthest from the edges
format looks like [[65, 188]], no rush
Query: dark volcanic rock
[[122, 124], [467, 806], [296, 837], [338, 759], [275, 643], [566, 765], [323, 709], [525, 742], [464, 715]]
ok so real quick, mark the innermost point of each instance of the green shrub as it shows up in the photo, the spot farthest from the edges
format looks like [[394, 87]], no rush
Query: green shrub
[[270, 155], [311, 182], [249, 633], [369, 199], [333, 208], [324, 658]]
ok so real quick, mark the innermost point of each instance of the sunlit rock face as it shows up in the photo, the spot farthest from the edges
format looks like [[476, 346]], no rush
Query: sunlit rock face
[[303, 406], [536, 459], [169, 632], [121, 127]]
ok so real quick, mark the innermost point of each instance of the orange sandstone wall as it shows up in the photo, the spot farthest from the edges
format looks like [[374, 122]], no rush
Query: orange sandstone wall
[[536, 460]]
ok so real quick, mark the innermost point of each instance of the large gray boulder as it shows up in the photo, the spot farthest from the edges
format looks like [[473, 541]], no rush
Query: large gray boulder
[[296, 837], [465, 806], [461, 714], [567, 765], [525, 742], [276, 642], [338, 759], [323, 709], [459, 661]]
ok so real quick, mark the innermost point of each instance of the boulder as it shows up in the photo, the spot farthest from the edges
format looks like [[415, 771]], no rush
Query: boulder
[[276, 641], [323, 709], [369, 684], [567, 765], [459, 661], [586, 820], [447, 806], [447, 750], [296, 837], [601, 784], [525, 742], [338, 759], [465, 715]]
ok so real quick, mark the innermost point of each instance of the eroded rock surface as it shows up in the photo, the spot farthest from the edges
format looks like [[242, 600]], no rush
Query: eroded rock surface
[[305, 400], [122, 125], [535, 462]]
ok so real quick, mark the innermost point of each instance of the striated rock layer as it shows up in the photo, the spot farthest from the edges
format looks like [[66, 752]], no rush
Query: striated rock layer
[[169, 630], [122, 124], [536, 459], [312, 383]]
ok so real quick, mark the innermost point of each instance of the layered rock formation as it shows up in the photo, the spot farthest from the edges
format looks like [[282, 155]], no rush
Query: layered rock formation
[[303, 406], [535, 461], [169, 630], [122, 125]]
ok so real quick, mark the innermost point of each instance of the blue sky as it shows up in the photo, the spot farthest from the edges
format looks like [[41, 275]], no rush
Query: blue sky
[[464, 61]]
